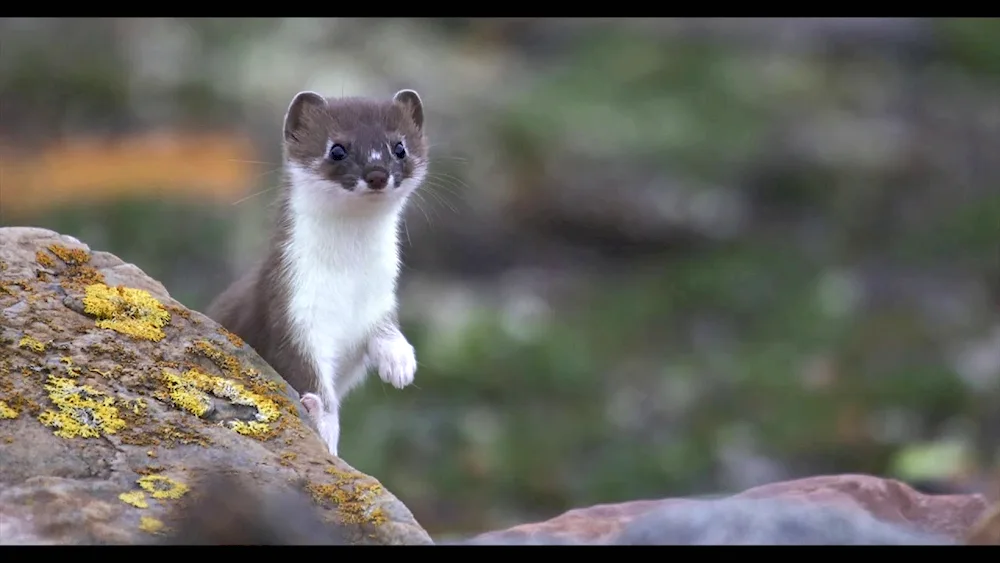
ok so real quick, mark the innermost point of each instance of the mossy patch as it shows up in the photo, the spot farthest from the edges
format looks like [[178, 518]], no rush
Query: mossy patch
[[353, 499], [162, 487], [126, 310], [82, 410]]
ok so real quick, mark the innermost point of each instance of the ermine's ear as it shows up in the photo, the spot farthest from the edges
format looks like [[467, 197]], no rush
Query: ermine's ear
[[410, 100], [302, 112]]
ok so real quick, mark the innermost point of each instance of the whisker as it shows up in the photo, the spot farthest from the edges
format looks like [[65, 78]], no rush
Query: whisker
[[418, 203], [251, 161], [406, 229], [251, 196], [440, 199]]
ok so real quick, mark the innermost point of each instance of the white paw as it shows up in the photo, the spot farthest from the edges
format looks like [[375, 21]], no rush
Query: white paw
[[395, 359], [312, 403]]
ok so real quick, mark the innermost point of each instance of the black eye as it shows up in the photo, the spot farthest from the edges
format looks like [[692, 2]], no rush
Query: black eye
[[338, 152], [399, 151]]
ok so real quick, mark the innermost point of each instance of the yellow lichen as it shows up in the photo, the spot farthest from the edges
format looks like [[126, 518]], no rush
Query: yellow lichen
[[354, 499], [232, 368], [150, 525], [162, 487], [189, 391], [44, 259], [83, 410], [250, 428], [31, 344], [68, 362], [135, 498], [186, 395], [137, 405], [127, 310], [7, 412]]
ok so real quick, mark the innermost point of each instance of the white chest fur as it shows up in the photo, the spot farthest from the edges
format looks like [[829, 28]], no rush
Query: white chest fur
[[342, 274]]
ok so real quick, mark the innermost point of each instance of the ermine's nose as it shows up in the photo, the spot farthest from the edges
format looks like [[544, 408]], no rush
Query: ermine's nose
[[376, 179]]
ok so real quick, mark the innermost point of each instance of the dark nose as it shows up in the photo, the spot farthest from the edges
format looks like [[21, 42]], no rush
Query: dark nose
[[376, 179]]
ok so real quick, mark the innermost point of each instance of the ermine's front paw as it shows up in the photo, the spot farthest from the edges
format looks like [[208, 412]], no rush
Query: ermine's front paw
[[395, 359], [313, 404]]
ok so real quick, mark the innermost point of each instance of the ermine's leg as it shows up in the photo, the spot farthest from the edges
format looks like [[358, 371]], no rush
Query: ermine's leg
[[392, 355], [326, 415], [329, 426]]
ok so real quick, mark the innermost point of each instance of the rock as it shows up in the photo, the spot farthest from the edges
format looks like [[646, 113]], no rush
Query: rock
[[887, 500], [987, 529], [115, 399]]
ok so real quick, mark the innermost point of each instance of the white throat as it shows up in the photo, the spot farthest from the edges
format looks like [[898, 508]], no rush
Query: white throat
[[341, 271]]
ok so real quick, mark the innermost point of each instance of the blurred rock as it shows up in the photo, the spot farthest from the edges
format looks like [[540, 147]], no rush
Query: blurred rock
[[925, 518]]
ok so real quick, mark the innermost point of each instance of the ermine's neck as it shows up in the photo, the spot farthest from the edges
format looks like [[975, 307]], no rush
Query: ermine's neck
[[344, 242]]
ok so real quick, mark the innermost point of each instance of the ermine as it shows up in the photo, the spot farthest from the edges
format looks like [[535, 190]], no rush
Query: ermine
[[320, 308]]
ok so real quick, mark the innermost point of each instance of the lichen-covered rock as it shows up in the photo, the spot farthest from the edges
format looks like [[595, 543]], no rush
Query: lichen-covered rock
[[114, 399], [887, 500]]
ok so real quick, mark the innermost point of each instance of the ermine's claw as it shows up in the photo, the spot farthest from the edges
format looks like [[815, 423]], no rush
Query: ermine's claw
[[312, 403], [395, 359]]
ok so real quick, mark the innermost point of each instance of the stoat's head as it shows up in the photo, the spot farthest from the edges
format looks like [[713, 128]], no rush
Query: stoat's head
[[354, 154]]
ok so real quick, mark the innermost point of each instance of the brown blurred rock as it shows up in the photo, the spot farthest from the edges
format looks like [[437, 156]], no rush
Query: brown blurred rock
[[987, 529], [107, 426], [887, 500]]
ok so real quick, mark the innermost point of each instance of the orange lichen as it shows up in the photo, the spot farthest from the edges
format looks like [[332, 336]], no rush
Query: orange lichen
[[44, 259], [71, 256], [77, 272], [235, 340], [179, 311]]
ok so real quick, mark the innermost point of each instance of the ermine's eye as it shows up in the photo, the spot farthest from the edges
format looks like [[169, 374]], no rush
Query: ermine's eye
[[399, 151], [338, 152]]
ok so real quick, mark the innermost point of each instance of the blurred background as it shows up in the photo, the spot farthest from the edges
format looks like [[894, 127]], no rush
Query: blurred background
[[656, 257]]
